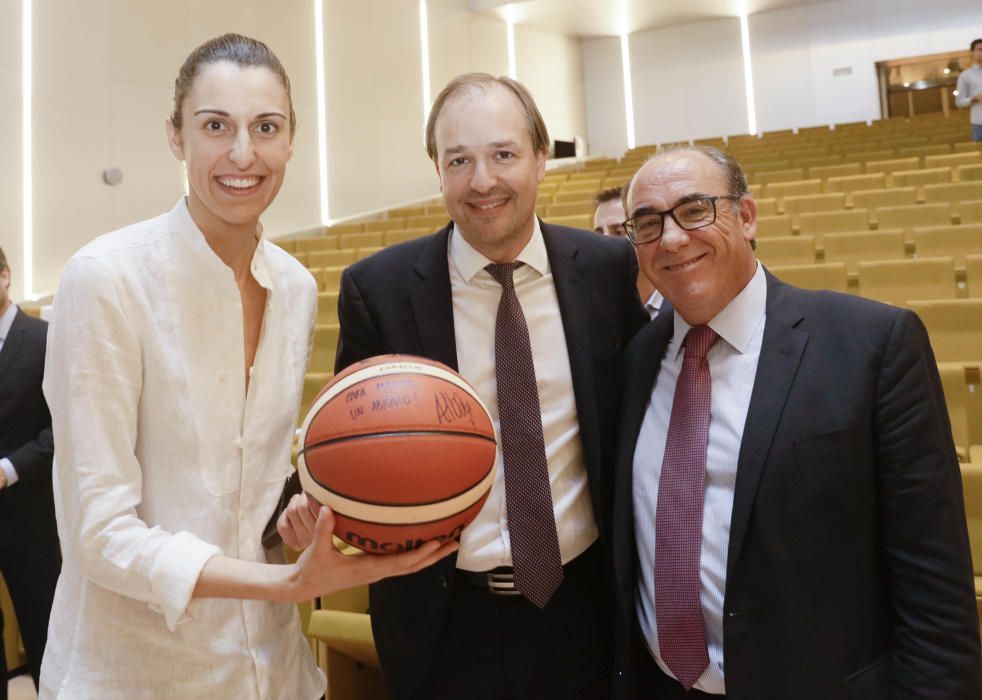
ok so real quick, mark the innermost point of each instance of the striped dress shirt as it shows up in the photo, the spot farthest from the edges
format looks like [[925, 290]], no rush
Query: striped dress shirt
[[733, 367]]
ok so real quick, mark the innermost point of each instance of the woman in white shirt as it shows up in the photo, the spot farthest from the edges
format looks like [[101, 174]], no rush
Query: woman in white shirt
[[175, 363]]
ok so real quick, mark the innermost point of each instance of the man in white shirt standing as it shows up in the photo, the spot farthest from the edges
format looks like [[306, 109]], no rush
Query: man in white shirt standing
[[29, 555], [788, 515], [535, 317], [969, 89], [608, 220]]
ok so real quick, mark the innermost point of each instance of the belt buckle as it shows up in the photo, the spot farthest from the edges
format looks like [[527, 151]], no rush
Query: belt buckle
[[502, 583]]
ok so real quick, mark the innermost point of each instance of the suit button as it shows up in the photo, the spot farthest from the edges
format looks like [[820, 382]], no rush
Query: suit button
[[443, 581]]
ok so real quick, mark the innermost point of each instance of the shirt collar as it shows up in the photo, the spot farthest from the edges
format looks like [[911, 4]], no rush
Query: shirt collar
[[738, 321], [469, 261], [6, 321], [653, 305], [205, 257]]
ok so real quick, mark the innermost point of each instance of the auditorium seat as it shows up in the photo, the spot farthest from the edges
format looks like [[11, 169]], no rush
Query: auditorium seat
[[853, 248], [779, 225], [892, 165], [325, 344], [433, 222], [409, 234], [913, 216], [819, 223], [346, 228], [767, 177], [573, 198], [362, 253], [313, 382], [843, 170], [786, 250], [956, 395], [956, 241], [920, 178], [330, 258], [970, 212], [969, 173], [887, 197], [952, 160], [362, 240], [973, 275], [584, 206], [899, 281], [328, 278], [831, 276], [972, 491], [780, 190], [584, 221], [851, 183], [327, 308], [955, 328], [767, 207], [803, 204]]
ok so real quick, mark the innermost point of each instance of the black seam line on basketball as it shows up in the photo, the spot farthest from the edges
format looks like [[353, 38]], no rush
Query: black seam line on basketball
[[348, 438], [398, 505]]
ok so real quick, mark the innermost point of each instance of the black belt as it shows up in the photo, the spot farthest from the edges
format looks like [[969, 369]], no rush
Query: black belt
[[501, 581]]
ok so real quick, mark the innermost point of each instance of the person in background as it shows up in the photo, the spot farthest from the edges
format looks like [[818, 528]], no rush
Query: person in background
[[608, 220], [29, 555], [969, 89]]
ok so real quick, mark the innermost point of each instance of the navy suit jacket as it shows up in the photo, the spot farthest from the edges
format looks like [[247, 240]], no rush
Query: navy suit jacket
[[848, 571], [399, 301], [26, 507]]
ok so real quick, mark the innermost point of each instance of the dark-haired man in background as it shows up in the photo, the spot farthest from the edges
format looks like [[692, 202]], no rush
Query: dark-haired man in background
[[30, 559], [788, 515], [608, 220]]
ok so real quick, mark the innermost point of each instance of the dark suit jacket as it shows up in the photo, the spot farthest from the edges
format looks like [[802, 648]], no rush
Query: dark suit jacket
[[848, 571], [27, 507], [399, 301]]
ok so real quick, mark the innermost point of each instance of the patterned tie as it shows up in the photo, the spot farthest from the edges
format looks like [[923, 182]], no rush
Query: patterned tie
[[678, 520], [528, 497]]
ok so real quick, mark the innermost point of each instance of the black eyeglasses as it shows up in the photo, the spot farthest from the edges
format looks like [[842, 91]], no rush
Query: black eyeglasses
[[648, 226]]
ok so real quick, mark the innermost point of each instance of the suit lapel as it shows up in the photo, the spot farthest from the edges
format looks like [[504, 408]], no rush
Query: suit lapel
[[13, 343], [780, 354], [432, 302]]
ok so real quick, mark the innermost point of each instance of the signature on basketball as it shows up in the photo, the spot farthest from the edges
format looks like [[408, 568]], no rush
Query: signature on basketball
[[451, 408]]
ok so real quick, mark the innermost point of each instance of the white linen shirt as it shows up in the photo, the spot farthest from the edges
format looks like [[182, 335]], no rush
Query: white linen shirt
[[486, 543], [163, 461], [733, 368]]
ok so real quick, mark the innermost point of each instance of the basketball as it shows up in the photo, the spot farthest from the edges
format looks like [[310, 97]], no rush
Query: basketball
[[402, 449]]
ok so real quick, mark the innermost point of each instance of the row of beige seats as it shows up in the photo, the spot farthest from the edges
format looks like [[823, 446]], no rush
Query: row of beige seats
[[957, 242], [907, 217], [894, 171], [806, 196]]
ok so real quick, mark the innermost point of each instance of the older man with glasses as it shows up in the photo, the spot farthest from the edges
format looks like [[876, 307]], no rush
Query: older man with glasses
[[788, 517]]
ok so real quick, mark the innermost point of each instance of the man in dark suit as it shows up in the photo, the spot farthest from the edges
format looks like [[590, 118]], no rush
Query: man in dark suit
[[30, 559], [448, 631], [788, 516]]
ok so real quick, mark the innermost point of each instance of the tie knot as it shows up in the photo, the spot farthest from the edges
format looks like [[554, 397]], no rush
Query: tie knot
[[698, 341], [502, 272]]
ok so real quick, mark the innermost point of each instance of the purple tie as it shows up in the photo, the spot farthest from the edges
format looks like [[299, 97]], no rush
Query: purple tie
[[678, 520], [531, 521]]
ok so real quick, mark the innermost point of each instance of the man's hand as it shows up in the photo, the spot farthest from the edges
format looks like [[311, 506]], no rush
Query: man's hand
[[977, 98], [3, 479], [297, 521], [322, 569]]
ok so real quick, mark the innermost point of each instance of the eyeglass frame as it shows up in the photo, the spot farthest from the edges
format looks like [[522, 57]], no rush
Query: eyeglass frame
[[629, 225]]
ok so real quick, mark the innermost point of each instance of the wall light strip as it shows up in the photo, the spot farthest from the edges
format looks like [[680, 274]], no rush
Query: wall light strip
[[512, 64], [628, 94], [424, 42], [27, 176], [321, 110], [748, 74]]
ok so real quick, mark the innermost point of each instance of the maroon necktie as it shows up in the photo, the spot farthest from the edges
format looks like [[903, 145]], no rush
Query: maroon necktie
[[678, 520], [538, 566]]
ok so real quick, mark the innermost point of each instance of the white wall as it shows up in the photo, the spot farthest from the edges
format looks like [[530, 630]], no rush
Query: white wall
[[604, 95], [103, 85], [796, 50], [11, 223]]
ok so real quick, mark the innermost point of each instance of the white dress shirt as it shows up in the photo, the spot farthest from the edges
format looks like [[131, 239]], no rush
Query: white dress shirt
[[163, 460], [485, 543], [733, 367], [6, 321], [653, 305]]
